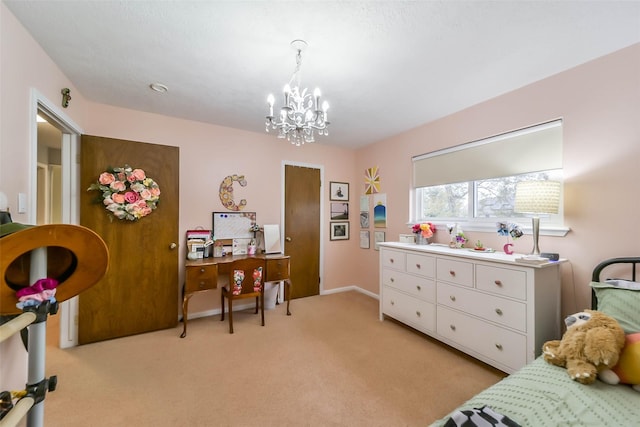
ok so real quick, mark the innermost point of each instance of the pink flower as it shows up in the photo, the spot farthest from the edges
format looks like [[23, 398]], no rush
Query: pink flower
[[145, 194], [426, 229], [106, 178], [118, 186], [131, 197], [155, 191], [138, 174], [118, 198]]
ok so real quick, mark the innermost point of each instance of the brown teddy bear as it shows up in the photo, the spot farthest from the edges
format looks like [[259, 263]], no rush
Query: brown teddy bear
[[593, 341]]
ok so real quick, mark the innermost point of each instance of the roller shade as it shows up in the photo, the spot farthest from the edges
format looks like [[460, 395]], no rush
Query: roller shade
[[532, 149]]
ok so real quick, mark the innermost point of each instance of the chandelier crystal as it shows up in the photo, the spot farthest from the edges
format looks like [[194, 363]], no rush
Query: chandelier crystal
[[301, 115]]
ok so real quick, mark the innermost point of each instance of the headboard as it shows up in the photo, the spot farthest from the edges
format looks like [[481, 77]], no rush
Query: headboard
[[597, 271]]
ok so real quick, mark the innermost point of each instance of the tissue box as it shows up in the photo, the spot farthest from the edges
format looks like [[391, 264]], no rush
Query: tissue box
[[407, 238]]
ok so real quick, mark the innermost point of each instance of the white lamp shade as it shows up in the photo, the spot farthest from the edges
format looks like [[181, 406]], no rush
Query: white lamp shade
[[537, 197]]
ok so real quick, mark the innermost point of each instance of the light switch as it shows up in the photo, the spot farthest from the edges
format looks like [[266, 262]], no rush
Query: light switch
[[22, 203]]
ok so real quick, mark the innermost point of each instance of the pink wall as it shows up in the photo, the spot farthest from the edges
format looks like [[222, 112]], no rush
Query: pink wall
[[599, 103]]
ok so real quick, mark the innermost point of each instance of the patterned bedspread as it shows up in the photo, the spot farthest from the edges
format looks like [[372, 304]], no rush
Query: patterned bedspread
[[542, 395]]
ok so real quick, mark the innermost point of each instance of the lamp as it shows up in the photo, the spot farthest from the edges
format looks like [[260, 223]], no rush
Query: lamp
[[301, 115], [537, 197]]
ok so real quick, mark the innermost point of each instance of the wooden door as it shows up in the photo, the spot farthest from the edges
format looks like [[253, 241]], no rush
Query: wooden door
[[140, 291], [302, 229]]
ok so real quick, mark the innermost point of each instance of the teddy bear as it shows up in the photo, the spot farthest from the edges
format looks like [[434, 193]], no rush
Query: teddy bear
[[592, 342]]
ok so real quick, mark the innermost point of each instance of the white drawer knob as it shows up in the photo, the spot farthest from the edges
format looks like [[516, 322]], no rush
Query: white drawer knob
[[452, 297], [499, 346], [498, 312], [453, 327], [393, 302]]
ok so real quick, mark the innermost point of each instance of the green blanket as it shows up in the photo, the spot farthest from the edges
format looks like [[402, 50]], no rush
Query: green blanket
[[542, 395]]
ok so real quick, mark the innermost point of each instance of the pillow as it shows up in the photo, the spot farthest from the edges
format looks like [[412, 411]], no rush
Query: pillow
[[628, 367], [620, 299]]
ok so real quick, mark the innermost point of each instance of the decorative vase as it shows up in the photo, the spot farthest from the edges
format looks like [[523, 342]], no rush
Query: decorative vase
[[421, 240]]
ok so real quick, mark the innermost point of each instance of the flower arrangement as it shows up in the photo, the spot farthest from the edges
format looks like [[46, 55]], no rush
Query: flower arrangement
[[461, 239], [127, 193], [426, 229]]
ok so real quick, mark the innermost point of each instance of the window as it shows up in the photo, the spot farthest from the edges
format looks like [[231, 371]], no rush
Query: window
[[475, 183]]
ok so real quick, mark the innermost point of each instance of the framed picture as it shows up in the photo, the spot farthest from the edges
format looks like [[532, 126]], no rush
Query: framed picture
[[339, 191], [339, 211], [339, 230], [364, 239], [378, 237]]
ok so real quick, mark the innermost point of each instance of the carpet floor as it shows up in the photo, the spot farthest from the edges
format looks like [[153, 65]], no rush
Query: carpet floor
[[332, 363]]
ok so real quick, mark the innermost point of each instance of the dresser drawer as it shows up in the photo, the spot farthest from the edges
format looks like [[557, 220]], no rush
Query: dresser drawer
[[421, 265], [506, 347], [502, 281], [496, 309], [392, 259], [277, 269], [407, 309], [420, 287], [201, 277], [459, 272]]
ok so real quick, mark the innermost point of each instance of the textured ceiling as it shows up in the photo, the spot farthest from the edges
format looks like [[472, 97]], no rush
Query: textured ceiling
[[384, 66]]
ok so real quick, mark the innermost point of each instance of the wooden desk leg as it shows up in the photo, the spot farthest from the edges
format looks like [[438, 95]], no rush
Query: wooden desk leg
[[185, 310], [287, 294]]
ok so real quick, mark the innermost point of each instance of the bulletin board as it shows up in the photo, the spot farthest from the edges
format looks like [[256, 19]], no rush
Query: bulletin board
[[233, 225]]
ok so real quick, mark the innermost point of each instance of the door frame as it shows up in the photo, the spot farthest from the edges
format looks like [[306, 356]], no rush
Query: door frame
[[70, 209], [286, 163]]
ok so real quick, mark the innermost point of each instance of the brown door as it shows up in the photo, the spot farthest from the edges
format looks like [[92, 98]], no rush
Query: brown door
[[140, 291], [302, 229]]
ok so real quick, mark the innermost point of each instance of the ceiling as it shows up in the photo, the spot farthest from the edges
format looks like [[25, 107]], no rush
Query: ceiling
[[383, 66]]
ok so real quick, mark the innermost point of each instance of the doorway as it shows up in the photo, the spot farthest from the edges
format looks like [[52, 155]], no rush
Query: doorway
[[302, 227], [53, 191]]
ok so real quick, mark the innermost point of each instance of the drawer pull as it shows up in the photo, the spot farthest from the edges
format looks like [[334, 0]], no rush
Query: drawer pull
[[452, 297], [392, 280], [453, 327], [418, 313], [202, 270], [418, 266], [391, 260], [498, 282], [393, 302], [499, 346], [418, 287], [201, 285], [498, 312], [452, 273]]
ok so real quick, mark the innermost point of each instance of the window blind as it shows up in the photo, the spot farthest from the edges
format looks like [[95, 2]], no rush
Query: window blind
[[531, 149]]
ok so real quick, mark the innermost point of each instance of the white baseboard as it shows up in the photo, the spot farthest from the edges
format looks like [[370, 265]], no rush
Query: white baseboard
[[351, 288]]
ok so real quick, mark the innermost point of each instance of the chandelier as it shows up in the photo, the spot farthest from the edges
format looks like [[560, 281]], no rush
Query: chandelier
[[301, 116]]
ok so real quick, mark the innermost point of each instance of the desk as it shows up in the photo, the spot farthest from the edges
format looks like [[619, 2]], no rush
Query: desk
[[202, 275]]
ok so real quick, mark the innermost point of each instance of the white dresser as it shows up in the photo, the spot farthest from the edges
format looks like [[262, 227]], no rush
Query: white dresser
[[485, 304]]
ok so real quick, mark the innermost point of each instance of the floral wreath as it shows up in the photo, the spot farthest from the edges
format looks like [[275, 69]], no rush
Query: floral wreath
[[127, 193]]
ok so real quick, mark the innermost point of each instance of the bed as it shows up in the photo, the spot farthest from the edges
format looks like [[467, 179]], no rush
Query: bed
[[543, 395]]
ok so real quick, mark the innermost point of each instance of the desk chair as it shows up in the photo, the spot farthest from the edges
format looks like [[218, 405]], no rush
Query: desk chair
[[246, 280]]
